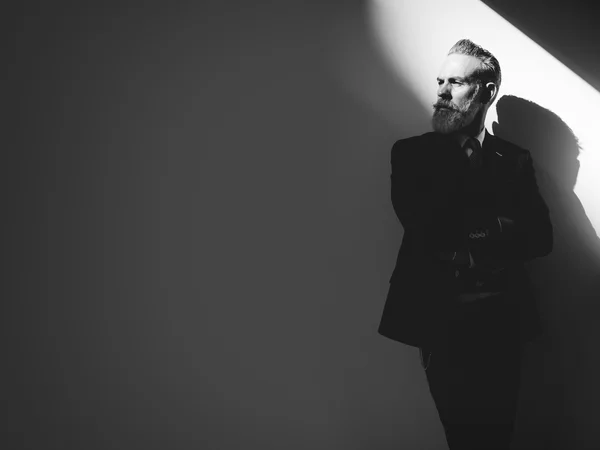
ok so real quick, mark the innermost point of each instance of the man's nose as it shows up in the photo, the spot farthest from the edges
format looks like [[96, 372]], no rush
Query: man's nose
[[444, 91]]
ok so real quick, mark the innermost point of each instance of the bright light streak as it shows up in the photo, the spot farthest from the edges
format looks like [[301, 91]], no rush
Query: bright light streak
[[414, 37]]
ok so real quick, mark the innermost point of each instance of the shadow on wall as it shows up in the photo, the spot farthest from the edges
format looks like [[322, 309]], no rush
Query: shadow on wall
[[561, 369]]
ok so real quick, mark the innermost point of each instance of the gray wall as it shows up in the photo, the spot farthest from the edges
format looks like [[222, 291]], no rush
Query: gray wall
[[201, 235]]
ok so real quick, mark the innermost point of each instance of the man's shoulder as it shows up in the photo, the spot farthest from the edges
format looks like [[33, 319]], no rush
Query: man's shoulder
[[412, 143], [418, 140]]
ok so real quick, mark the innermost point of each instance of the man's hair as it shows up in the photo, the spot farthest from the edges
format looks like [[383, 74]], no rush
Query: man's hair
[[490, 67]]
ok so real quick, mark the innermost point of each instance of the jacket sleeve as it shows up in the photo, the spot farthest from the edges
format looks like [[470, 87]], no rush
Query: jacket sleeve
[[429, 216], [525, 236]]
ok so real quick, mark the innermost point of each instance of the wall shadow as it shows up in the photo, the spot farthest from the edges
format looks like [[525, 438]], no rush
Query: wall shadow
[[560, 367]]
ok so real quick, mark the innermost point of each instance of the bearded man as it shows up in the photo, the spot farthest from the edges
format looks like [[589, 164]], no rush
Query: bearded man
[[472, 216]]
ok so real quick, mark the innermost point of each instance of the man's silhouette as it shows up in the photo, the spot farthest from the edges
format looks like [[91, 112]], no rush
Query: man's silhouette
[[472, 215]]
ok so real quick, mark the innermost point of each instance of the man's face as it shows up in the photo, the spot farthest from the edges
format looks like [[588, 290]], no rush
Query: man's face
[[458, 94]]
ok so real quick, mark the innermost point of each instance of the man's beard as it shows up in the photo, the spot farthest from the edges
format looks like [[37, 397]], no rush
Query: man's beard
[[448, 118]]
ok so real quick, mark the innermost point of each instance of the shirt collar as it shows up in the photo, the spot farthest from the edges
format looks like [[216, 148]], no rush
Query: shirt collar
[[480, 137]]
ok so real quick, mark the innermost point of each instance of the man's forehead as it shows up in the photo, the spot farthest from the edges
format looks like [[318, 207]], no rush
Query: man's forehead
[[457, 65]]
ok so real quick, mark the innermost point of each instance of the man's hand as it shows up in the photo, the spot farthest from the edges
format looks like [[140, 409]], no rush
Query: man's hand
[[485, 238], [485, 226]]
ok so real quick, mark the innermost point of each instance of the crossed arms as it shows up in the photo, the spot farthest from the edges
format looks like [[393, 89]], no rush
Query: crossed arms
[[446, 231]]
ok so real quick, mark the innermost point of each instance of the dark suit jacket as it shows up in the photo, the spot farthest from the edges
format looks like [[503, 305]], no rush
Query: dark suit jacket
[[439, 203]]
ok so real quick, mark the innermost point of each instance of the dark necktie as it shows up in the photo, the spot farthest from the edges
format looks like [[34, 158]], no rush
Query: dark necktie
[[475, 158]]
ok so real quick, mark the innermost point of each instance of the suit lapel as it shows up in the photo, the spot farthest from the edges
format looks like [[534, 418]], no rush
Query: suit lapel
[[490, 145]]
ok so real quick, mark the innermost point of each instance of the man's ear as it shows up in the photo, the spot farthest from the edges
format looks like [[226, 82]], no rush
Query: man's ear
[[490, 90]]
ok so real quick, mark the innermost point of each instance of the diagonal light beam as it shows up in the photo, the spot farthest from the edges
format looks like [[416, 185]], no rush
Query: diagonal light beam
[[414, 37]]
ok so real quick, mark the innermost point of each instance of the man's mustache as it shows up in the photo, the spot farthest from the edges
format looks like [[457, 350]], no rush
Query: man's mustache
[[441, 105]]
